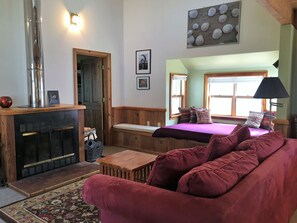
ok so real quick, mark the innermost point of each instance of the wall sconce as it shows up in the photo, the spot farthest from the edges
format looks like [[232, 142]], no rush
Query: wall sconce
[[74, 19]]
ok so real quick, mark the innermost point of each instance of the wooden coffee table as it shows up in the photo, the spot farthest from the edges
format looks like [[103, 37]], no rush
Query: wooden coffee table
[[128, 164]]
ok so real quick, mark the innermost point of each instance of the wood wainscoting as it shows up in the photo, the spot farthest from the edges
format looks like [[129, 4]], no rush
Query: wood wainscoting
[[143, 141], [139, 116]]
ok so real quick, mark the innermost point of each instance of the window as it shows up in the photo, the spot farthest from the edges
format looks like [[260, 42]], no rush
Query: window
[[178, 93], [231, 94]]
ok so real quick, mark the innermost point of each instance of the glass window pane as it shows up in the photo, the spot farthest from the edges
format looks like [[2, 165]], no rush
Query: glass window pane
[[175, 103], [247, 88], [221, 89], [220, 106], [244, 105], [176, 87]]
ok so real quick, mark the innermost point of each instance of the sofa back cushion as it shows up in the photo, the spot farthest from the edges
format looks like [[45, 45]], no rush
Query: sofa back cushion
[[215, 178], [220, 145], [170, 166], [263, 145]]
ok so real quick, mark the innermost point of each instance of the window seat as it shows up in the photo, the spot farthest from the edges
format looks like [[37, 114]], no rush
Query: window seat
[[139, 137], [134, 127]]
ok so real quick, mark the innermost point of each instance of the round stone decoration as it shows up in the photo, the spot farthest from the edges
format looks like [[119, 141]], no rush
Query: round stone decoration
[[193, 14]]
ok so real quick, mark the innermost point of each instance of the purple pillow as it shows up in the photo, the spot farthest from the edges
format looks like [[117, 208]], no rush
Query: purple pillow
[[184, 115], [215, 178], [170, 166], [263, 145], [220, 146]]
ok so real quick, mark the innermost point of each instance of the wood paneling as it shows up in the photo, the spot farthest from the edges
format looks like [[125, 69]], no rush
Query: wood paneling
[[139, 116], [143, 141], [282, 10]]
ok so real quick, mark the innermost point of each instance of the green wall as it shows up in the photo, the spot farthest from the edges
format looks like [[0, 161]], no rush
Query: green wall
[[286, 58]]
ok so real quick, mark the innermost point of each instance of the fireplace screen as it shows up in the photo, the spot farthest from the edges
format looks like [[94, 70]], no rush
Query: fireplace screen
[[45, 141]]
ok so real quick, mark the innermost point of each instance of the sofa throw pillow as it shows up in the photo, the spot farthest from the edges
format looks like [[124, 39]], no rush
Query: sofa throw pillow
[[267, 121], [263, 145], [254, 119], [220, 145], [215, 178], [203, 116], [184, 115], [170, 166]]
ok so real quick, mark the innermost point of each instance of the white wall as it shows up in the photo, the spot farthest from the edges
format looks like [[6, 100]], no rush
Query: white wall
[[162, 26], [119, 27], [102, 31]]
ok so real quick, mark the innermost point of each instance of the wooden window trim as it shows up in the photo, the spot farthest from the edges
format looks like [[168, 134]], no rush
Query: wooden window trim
[[206, 98], [185, 96]]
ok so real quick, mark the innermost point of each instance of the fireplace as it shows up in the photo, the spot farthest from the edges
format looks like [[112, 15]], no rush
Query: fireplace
[[36, 140], [45, 141]]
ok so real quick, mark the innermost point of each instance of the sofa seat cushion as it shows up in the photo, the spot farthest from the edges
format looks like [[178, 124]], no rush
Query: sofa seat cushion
[[170, 166], [220, 145], [263, 145], [215, 178]]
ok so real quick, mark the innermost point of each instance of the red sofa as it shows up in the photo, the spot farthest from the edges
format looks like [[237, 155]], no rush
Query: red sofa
[[267, 194]]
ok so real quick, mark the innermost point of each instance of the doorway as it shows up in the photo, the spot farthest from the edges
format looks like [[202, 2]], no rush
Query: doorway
[[92, 88]]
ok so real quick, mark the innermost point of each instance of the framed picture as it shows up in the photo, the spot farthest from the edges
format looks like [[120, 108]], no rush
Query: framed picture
[[143, 61], [53, 97], [143, 83], [214, 25]]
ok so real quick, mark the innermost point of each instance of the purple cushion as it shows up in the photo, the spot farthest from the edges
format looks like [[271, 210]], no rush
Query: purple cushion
[[170, 166], [215, 178], [263, 145], [220, 146]]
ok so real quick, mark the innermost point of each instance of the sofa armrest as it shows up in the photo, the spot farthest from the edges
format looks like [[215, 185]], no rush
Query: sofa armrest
[[144, 203]]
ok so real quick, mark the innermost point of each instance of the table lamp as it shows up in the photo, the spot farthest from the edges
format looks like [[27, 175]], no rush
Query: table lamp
[[271, 87]]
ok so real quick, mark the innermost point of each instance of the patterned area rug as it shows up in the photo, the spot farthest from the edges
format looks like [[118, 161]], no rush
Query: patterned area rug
[[63, 205]]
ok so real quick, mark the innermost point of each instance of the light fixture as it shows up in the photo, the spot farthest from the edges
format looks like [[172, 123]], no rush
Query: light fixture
[[271, 87], [275, 64], [74, 19]]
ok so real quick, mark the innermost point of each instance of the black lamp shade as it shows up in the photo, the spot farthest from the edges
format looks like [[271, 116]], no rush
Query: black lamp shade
[[271, 87]]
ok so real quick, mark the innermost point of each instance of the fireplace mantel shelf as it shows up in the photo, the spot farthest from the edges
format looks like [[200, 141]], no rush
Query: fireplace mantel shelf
[[22, 110]]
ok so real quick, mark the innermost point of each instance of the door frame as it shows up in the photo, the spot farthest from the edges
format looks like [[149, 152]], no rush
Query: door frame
[[107, 102]]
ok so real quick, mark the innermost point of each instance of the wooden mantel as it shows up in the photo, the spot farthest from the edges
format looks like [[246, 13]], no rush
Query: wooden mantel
[[7, 134], [26, 110]]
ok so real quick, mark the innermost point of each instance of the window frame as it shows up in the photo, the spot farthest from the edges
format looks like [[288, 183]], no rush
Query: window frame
[[184, 97], [206, 97]]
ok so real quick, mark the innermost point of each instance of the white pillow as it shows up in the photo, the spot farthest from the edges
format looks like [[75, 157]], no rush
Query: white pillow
[[254, 119]]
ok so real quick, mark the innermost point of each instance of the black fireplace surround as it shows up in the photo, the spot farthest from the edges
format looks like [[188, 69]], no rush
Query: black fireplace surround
[[45, 141]]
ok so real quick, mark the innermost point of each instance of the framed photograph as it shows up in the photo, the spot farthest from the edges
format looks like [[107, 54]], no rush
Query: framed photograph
[[53, 97], [143, 83], [143, 61]]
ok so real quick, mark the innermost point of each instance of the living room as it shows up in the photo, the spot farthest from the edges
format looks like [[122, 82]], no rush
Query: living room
[[123, 27]]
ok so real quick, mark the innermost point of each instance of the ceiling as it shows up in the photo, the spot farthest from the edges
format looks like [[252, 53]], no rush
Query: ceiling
[[282, 10], [235, 61]]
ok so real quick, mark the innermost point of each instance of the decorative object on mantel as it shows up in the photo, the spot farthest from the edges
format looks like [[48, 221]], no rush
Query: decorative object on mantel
[[143, 61], [53, 97], [143, 83], [218, 24], [5, 101]]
